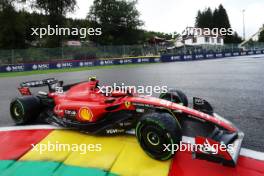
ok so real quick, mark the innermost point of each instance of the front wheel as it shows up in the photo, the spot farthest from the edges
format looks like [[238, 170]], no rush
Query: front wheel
[[154, 131], [25, 109]]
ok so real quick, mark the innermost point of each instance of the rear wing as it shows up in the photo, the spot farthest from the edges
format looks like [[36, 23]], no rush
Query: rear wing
[[39, 83], [52, 83]]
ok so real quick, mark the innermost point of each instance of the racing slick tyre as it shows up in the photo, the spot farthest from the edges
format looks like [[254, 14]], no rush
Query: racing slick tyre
[[156, 130], [175, 96], [25, 109]]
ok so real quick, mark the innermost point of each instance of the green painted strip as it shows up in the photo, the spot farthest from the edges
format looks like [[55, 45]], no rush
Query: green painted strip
[[46, 168], [78, 171], [5, 164], [28, 168]]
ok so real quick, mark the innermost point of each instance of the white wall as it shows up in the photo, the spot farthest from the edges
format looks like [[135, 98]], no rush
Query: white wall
[[201, 41]]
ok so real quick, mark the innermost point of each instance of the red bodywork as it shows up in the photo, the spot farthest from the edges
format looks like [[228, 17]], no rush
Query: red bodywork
[[87, 95], [86, 106]]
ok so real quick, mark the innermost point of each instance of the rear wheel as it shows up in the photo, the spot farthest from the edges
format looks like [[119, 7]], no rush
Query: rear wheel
[[24, 110], [154, 131], [175, 96]]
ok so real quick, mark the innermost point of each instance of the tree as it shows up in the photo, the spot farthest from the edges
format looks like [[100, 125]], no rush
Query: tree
[[119, 20], [56, 11], [12, 31], [58, 7], [34, 20], [198, 19], [217, 19], [235, 38], [261, 36], [220, 18], [7, 3], [204, 19]]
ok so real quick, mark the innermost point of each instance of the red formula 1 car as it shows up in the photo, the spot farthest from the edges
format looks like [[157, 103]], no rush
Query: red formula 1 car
[[158, 122]]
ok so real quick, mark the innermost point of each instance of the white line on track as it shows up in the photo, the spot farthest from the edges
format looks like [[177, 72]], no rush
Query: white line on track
[[29, 127]]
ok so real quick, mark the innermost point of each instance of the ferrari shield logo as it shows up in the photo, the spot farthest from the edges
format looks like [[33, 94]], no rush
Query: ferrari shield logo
[[127, 104], [85, 114]]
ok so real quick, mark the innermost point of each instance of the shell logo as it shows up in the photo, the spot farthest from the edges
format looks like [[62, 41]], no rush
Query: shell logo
[[127, 104], [85, 114]]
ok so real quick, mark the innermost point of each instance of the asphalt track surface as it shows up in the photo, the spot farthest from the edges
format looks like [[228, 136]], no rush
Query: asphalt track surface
[[234, 86]]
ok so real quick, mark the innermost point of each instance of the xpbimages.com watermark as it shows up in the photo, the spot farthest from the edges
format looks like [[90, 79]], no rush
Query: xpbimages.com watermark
[[122, 88], [62, 31], [61, 147], [205, 148], [194, 31]]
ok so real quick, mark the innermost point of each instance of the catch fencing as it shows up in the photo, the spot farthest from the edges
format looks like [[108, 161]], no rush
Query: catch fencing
[[120, 61]]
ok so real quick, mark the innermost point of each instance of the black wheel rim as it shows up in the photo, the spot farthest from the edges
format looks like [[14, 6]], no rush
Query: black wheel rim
[[17, 112], [153, 138]]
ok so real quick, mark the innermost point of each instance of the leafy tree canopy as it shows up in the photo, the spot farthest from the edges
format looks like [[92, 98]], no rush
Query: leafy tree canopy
[[119, 20], [216, 19], [261, 36]]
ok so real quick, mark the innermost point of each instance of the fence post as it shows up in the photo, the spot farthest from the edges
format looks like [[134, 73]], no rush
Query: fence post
[[156, 49], [62, 54], [123, 51], [12, 56]]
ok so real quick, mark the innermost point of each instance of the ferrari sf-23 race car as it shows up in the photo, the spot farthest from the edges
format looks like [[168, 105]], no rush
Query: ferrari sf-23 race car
[[157, 122]]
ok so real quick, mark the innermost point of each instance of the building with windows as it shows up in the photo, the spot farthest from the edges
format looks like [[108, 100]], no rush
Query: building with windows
[[199, 38], [203, 40]]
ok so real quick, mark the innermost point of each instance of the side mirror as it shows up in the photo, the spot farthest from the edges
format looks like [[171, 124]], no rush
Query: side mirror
[[202, 105]]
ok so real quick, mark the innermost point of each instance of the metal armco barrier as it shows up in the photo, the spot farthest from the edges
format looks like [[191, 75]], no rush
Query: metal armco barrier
[[139, 60]]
